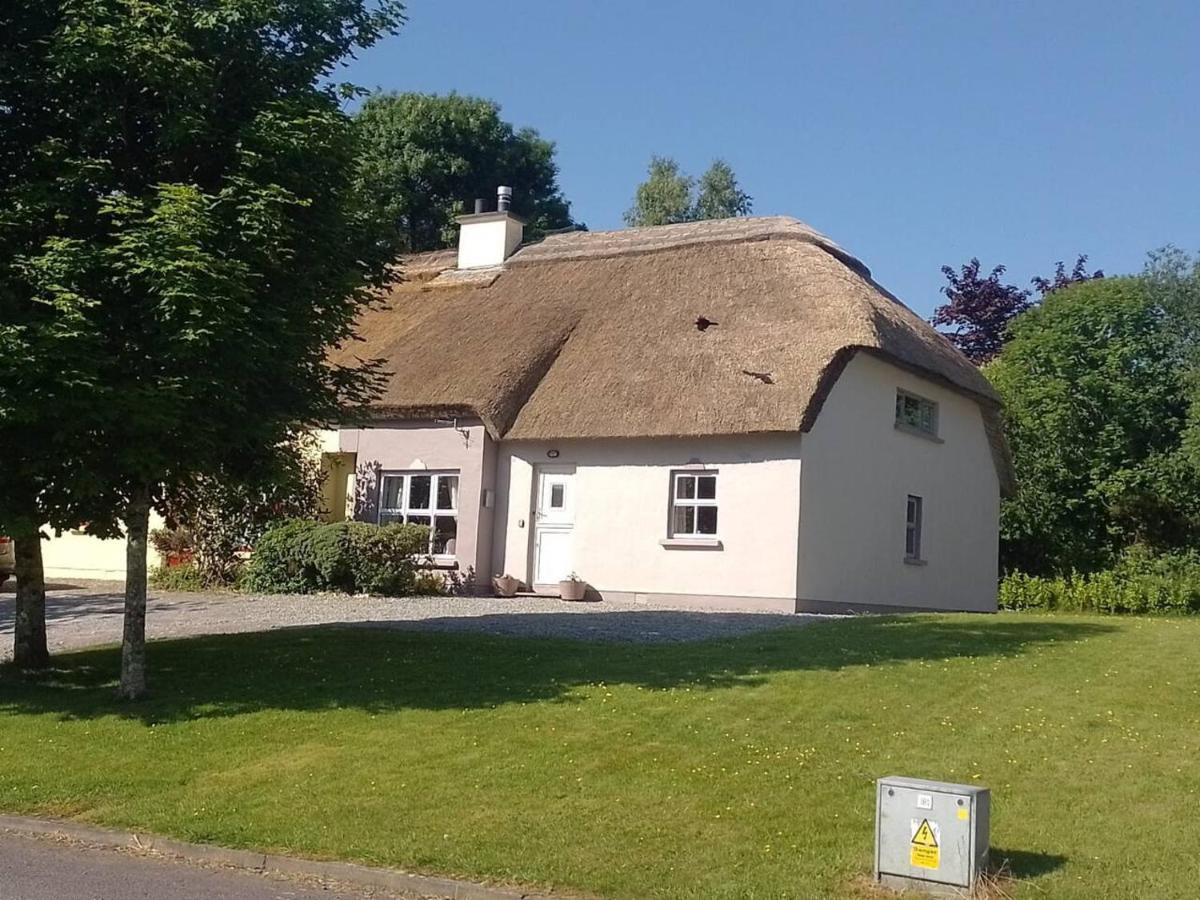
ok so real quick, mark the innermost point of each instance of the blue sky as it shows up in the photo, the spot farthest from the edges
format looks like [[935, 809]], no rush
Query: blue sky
[[913, 134]]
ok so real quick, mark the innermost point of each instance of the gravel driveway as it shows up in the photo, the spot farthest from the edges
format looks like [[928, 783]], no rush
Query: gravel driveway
[[82, 614]]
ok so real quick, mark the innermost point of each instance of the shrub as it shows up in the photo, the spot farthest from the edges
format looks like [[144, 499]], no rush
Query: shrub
[[186, 577], [1139, 583], [299, 556]]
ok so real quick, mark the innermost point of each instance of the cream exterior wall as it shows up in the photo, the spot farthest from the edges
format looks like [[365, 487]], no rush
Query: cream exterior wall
[[858, 472], [417, 446], [622, 496], [73, 555]]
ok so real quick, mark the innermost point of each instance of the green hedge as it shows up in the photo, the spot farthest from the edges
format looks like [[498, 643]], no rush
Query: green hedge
[[184, 577], [301, 556], [1139, 583]]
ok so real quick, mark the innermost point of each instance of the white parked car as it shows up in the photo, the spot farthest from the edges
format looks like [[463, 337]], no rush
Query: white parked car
[[8, 559]]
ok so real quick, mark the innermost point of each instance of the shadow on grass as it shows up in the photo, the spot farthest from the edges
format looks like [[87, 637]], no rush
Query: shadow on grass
[[1022, 864], [383, 669]]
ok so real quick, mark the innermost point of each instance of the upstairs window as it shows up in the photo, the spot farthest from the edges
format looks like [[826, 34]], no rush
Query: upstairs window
[[912, 529], [916, 414], [693, 504], [423, 498]]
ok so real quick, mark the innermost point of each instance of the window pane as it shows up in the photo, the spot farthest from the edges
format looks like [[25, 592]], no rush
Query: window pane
[[685, 520], [445, 530], [418, 491], [556, 496], [447, 492], [390, 518], [419, 520], [392, 493], [685, 487], [707, 487], [706, 520], [911, 515]]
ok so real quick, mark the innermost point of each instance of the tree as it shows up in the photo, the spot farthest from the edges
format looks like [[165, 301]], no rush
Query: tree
[[718, 194], [1095, 398], [668, 196], [1062, 278], [185, 181], [425, 155], [979, 310]]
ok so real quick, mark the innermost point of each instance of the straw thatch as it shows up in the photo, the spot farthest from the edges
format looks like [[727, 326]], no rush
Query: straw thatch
[[593, 335]]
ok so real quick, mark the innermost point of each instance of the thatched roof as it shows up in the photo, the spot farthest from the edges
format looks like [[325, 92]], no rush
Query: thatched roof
[[593, 334]]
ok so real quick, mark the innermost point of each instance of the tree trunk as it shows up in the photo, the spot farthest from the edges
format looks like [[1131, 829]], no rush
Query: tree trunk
[[133, 641], [29, 626]]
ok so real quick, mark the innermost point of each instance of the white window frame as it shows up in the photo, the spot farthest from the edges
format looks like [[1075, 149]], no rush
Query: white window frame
[[404, 512], [695, 502], [914, 520], [903, 424]]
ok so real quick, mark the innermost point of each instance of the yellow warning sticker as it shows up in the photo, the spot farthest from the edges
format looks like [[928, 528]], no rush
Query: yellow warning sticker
[[963, 813], [925, 851]]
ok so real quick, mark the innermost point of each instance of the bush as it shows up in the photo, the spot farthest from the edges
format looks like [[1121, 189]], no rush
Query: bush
[[1139, 583], [300, 556], [186, 577]]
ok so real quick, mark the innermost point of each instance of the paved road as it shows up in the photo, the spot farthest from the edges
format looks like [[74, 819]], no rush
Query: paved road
[[42, 869], [87, 613]]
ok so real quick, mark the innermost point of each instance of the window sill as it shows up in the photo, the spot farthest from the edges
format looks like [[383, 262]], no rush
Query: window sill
[[913, 561], [691, 543], [440, 562], [917, 432]]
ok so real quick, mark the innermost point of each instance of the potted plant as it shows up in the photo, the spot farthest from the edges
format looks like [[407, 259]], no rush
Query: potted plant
[[572, 588], [505, 585]]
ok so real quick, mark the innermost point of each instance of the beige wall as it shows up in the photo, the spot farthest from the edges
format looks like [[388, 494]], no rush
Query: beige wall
[[858, 472], [73, 555], [415, 446], [622, 493]]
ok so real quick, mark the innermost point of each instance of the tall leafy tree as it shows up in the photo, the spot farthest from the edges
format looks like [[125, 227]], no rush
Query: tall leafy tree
[[1094, 386], [718, 195], [183, 209], [668, 195], [978, 310], [427, 154]]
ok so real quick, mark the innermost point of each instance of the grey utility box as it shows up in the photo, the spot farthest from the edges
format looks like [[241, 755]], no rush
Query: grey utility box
[[930, 835]]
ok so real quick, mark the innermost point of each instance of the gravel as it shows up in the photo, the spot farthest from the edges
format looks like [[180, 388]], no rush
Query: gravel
[[84, 614]]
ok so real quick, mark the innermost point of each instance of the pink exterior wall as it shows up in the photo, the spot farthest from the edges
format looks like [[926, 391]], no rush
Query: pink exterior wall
[[400, 446]]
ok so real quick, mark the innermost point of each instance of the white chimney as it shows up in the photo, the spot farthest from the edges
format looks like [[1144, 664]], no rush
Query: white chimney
[[489, 238]]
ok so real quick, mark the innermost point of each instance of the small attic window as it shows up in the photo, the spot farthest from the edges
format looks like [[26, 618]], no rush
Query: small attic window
[[916, 414]]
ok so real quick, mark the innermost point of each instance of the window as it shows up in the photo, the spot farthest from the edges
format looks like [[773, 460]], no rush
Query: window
[[423, 498], [915, 413], [912, 530], [694, 504]]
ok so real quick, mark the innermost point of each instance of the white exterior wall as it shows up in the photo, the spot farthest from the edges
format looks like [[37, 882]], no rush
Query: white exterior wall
[[622, 496], [488, 243], [858, 472]]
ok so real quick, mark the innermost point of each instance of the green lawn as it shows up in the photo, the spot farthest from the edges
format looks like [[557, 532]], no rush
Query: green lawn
[[732, 769]]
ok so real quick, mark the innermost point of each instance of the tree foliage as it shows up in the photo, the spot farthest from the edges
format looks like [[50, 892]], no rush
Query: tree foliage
[[183, 237], [1095, 389], [668, 195], [426, 155], [980, 308]]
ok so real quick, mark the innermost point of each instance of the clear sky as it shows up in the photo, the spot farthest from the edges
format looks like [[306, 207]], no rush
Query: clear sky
[[913, 134]]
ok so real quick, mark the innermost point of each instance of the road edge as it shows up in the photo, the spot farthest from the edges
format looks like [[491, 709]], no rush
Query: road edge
[[348, 873]]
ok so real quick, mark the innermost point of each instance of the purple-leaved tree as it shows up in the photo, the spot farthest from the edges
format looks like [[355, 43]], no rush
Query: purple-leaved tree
[[979, 310]]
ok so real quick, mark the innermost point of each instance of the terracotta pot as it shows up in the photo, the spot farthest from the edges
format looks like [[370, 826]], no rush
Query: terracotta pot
[[505, 586], [182, 558], [572, 590]]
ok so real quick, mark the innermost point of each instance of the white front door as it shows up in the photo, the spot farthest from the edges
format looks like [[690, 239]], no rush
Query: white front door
[[554, 524]]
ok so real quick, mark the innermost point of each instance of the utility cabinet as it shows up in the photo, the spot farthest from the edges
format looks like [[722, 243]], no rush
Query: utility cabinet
[[930, 835]]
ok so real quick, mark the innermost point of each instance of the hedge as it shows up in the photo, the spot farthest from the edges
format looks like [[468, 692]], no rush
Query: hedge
[[1139, 583], [300, 556]]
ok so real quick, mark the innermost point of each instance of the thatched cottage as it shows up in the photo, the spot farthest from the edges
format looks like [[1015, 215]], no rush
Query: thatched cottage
[[728, 413]]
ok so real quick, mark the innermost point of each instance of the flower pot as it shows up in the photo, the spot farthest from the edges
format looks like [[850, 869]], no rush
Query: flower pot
[[505, 585], [181, 558], [570, 589]]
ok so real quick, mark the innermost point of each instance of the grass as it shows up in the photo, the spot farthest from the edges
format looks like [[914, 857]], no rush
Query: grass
[[730, 769]]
